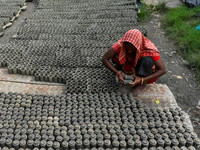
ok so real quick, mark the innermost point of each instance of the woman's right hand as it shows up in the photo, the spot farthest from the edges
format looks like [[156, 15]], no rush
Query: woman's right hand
[[121, 77]]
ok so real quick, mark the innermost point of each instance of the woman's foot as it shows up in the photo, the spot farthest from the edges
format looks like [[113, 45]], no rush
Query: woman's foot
[[138, 89]]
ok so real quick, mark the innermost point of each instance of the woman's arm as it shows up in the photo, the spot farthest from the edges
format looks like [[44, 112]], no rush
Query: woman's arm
[[107, 56], [160, 70]]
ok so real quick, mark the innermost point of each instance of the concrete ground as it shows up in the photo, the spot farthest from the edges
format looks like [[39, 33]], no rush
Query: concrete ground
[[27, 84]]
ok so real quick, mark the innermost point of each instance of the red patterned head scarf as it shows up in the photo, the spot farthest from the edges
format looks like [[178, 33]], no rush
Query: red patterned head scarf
[[143, 45]]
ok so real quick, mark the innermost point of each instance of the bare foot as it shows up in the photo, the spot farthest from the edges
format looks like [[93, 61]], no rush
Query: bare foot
[[139, 89]]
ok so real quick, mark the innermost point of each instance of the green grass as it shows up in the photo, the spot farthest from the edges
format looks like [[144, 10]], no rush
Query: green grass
[[179, 24], [145, 13], [159, 8]]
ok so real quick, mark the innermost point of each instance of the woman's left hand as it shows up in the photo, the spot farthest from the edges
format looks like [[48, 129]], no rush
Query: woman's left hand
[[138, 80]]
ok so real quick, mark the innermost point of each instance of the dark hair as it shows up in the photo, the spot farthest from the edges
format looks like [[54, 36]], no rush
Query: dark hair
[[128, 43]]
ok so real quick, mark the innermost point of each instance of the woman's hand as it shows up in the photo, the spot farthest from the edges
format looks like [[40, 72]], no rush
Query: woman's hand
[[121, 77], [138, 80]]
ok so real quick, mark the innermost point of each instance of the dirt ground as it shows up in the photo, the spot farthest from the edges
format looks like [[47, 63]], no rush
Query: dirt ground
[[19, 22], [180, 78]]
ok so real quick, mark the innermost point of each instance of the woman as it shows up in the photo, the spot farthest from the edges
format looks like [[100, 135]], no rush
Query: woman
[[135, 55]]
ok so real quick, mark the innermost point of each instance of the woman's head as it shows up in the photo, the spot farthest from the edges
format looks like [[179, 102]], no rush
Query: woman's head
[[134, 37], [134, 41], [130, 48], [130, 51]]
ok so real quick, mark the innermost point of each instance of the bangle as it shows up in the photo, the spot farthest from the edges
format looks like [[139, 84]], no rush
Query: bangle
[[142, 80], [118, 73]]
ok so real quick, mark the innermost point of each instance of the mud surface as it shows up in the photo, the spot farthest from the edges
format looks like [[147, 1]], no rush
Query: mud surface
[[19, 22], [179, 78]]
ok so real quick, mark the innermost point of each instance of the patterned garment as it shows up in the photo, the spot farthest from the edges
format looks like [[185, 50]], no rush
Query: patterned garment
[[144, 48]]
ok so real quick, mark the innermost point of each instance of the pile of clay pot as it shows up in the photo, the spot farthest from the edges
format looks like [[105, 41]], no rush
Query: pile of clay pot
[[103, 121], [9, 11], [64, 41]]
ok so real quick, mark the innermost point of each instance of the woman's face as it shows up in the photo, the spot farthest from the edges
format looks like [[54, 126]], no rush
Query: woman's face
[[130, 51]]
